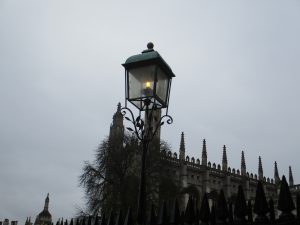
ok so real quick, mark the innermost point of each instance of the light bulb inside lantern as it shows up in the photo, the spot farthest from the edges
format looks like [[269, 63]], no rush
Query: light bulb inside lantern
[[147, 91], [148, 84]]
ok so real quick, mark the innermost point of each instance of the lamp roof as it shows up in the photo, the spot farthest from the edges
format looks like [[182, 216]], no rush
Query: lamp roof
[[147, 57]]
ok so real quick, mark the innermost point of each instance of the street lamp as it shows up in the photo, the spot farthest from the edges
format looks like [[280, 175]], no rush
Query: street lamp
[[147, 86], [148, 80]]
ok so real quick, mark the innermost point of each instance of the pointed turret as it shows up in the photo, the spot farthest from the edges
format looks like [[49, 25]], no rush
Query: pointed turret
[[204, 154], [46, 206], [182, 148], [224, 159], [44, 217], [260, 169], [291, 179], [117, 127], [243, 165], [276, 174]]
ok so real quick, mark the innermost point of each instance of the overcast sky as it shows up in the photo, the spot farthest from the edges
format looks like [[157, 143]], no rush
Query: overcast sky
[[237, 83]]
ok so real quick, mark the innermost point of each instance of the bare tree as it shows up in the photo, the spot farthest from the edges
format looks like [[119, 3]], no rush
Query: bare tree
[[111, 181], [105, 178]]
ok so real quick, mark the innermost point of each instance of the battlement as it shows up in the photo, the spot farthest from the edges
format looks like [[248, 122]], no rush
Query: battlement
[[214, 168]]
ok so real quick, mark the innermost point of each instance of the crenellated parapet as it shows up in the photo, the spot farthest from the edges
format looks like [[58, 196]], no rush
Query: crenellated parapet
[[213, 168], [208, 176]]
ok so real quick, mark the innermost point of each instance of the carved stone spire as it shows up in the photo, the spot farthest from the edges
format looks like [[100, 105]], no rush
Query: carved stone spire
[[291, 179], [117, 127], [182, 148], [46, 206], [204, 154], [224, 159], [276, 174], [43, 217], [260, 169], [243, 165]]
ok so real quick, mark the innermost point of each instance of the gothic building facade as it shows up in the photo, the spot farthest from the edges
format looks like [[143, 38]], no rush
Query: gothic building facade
[[205, 176], [209, 177]]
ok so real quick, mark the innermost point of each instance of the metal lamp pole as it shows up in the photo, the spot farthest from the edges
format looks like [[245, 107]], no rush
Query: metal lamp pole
[[145, 134], [147, 86]]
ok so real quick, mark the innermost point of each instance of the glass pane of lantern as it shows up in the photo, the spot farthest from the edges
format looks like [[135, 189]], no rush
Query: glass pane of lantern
[[162, 85], [141, 82]]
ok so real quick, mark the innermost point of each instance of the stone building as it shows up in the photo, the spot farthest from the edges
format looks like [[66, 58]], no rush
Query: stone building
[[210, 177], [204, 176], [44, 217]]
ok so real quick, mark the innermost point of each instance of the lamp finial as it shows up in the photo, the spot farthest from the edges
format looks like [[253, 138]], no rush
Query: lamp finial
[[150, 46]]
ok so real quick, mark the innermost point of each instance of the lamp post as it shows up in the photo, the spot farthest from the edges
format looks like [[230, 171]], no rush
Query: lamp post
[[147, 86]]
